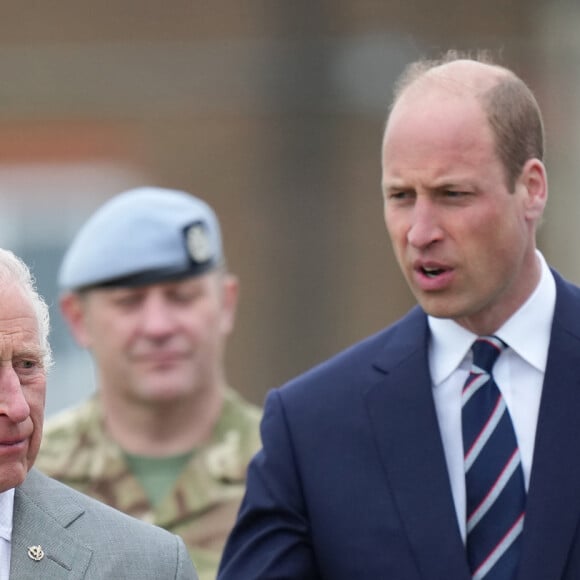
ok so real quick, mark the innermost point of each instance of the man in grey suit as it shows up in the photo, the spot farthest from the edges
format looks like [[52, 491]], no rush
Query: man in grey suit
[[48, 530]]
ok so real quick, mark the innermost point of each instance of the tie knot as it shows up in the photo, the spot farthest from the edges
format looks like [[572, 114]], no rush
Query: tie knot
[[485, 350]]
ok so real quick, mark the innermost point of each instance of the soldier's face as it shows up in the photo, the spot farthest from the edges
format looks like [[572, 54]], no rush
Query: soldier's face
[[160, 342], [22, 387]]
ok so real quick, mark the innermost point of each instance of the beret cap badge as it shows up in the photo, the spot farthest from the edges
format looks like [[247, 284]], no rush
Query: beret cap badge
[[198, 242]]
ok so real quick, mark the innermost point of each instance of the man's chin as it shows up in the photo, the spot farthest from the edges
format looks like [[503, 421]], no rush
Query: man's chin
[[12, 476], [163, 394]]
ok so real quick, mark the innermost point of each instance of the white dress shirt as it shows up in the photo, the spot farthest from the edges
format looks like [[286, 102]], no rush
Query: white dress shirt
[[519, 373], [6, 510]]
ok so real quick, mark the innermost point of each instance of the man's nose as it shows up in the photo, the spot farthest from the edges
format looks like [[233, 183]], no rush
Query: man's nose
[[424, 228], [157, 317], [13, 403]]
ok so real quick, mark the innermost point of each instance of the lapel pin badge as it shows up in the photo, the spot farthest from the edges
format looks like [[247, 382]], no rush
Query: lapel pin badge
[[35, 553]]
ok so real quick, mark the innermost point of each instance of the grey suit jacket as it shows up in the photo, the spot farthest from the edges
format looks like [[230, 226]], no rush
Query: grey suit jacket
[[82, 538]]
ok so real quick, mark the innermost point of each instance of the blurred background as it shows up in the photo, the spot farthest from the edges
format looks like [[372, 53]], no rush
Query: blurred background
[[273, 112]]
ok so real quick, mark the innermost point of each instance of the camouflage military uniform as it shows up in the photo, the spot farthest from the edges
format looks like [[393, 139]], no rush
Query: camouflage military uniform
[[203, 504]]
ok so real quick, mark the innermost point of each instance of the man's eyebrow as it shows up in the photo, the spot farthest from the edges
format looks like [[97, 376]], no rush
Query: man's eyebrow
[[29, 352], [395, 186]]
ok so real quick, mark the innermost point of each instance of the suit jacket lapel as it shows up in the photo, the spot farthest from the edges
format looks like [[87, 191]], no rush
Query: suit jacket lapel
[[553, 506], [402, 414], [33, 525]]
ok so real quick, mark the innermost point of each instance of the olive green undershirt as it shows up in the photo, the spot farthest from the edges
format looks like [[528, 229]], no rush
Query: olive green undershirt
[[157, 475]]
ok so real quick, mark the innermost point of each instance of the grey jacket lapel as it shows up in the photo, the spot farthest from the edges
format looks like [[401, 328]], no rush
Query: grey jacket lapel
[[35, 524]]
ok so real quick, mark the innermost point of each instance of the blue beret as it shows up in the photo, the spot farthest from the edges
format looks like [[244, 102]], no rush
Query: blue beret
[[143, 236]]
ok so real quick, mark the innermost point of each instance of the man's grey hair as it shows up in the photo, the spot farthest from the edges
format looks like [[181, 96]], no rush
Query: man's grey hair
[[13, 270]]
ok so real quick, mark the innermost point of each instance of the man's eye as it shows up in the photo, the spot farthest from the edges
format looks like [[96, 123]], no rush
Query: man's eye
[[399, 195], [186, 297], [127, 301], [27, 365]]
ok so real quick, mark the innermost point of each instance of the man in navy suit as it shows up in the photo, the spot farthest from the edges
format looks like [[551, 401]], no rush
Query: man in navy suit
[[361, 474]]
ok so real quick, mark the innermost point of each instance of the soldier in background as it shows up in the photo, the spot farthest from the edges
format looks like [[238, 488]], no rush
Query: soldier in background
[[146, 291]]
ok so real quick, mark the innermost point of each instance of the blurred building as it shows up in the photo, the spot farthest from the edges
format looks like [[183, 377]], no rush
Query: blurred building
[[273, 111]]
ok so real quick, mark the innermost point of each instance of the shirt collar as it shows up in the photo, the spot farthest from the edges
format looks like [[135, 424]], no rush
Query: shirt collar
[[450, 342], [6, 510]]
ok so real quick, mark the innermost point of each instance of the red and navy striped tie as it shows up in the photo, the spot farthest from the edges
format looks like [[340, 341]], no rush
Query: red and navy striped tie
[[494, 480]]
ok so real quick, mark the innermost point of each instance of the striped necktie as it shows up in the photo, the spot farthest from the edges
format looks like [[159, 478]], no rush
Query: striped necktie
[[494, 480]]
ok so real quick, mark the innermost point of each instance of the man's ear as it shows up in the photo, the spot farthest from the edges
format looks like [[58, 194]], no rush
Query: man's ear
[[72, 307], [533, 177], [230, 293]]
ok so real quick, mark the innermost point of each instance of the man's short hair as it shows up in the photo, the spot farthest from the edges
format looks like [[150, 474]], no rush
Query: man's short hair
[[510, 106]]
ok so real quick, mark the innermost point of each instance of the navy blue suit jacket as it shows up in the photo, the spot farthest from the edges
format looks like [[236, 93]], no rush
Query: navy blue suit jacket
[[352, 482]]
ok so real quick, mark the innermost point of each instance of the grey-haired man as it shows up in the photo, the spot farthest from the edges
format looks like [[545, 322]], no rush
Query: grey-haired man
[[146, 290], [48, 530]]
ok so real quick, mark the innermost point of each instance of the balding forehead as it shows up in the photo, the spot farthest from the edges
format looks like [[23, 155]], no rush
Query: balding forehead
[[461, 77]]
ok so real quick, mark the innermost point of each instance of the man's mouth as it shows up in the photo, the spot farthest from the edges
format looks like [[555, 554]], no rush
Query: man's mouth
[[11, 442], [432, 272]]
